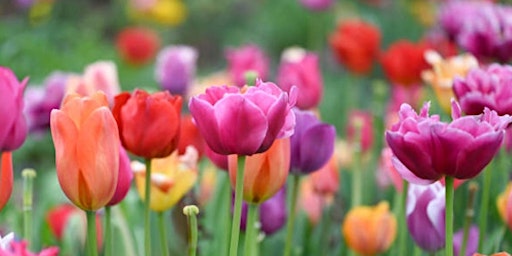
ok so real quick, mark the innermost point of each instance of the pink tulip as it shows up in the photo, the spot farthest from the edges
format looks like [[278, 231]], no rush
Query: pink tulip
[[124, 178], [244, 59], [317, 5], [13, 130]]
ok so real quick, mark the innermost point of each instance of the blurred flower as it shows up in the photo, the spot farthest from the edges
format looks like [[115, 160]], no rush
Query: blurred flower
[[311, 202], [175, 68], [453, 15], [149, 124], [244, 59], [6, 240], [13, 130], [425, 212], [98, 76], [86, 140], [360, 127], [124, 178], [300, 68], [444, 72], [19, 248], [472, 243], [317, 5], [326, 180], [163, 12], [265, 173], [200, 85], [190, 136], [171, 178], [494, 254], [6, 178], [137, 45], [489, 87], [256, 115], [386, 172], [356, 44], [272, 213], [39, 101], [436, 40], [504, 204], [423, 11], [403, 62], [207, 184], [463, 147], [369, 230], [220, 161]]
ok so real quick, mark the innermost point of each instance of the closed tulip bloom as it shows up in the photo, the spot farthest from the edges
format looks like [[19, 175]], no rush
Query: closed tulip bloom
[[360, 124], [489, 87], [312, 143], [86, 140], [355, 44], [244, 59], [300, 68], [425, 213], [369, 230], [504, 204], [124, 179], [244, 121], [137, 45], [6, 179], [171, 178], [272, 213], [149, 124], [176, 68], [265, 173], [462, 147], [403, 62], [13, 130]]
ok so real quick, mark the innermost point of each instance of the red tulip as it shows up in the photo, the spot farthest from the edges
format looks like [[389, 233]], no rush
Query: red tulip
[[190, 136], [404, 61], [6, 179], [137, 46]]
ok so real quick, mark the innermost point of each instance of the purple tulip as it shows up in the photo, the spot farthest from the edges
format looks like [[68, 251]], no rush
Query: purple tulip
[[124, 179], [453, 15], [427, 149], [317, 5], [472, 244], [13, 130], [39, 101], [245, 59], [489, 87], [176, 68], [300, 68], [312, 144], [246, 120], [425, 214], [272, 213]]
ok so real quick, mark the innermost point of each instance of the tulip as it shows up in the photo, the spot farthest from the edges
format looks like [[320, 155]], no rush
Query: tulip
[[485, 87], [386, 172], [462, 148], [426, 215], [243, 121], [86, 140], [369, 230], [124, 179], [326, 180], [310, 201], [504, 204], [444, 72], [246, 58], [190, 136], [137, 45], [6, 178], [220, 161], [162, 12], [12, 247], [403, 62], [472, 242], [272, 213], [312, 143], [300, 68], [265, 173], [494, 254], [149, 124], [454, 15], [175, 68], [356, 44], [13, 130], [171, 178], [317, 5], [360, 127]]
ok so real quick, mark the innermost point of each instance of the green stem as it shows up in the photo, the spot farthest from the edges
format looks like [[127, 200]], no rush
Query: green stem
[[237, 212], [472, 188], [251, 230], [417, 251], [357, 180], [291, 218], [147, 212], [324, 228], [92, 248], [482, 227], [226, 191], [191, 211], [108, 231], [403, 223], [163, 235], [28, 186], [449, 216]]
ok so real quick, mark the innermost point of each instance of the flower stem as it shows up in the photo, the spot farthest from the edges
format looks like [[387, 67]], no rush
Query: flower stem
[[237, 212], [28, 186], [403, 223], [482, 227], [163, 235], [449, 216], [108, 231], [291, 219], [147, 212], [251, 230], [92, 248], [191, 211], [472, 188], [357, 180]]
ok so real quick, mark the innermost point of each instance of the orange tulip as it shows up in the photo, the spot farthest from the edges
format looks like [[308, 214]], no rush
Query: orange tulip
[[369, 230], [6, 179], [86, 140], [265, 173], [494, 254], [504, 204]]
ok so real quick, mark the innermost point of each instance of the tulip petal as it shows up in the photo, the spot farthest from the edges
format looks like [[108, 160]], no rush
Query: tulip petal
[[407, 175], [6, 178], [318, 147], [473, 158], [207, 124]]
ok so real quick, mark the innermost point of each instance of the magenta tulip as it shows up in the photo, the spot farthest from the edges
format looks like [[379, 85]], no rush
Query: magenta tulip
[[244, 121], [317, 5], [124, 178], [13, 130], [245, 59]]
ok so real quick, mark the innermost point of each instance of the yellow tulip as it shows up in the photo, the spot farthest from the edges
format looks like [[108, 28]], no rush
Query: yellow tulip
[[163, 12]]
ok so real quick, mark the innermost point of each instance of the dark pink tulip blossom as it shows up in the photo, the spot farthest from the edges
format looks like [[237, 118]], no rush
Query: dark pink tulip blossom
[[124, 179], [13, 130], [427, 149], [246, 120], [244, 59]]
